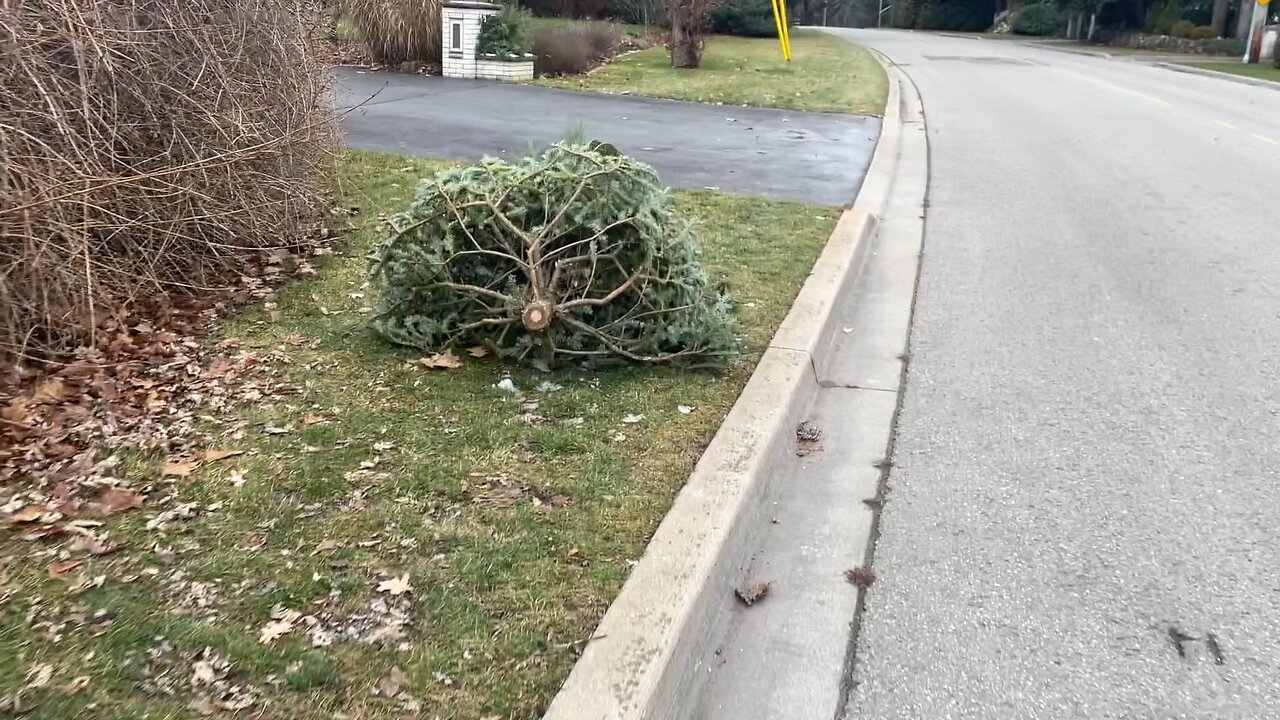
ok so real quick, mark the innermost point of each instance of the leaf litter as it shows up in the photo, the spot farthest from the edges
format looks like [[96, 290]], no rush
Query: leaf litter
[[442, 361], [281, 624], [149, 387], [750, 593]]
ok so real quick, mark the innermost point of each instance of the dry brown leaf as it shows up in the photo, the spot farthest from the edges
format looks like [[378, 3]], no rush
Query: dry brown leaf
[[18, 411], [77, 685], [860, 576], [396, 586], [273, 630], [326, 546], [38, 675], [442, 361], [30, 513], [114, 500], [216, 455], [179, 468], [44, 531], [294, 339], [64, 566], [281, 624], [52, 391], [202, 673], [751, 593], [312, 419], [92, 545], [221, 367], [87, 584], [477, 351], [391, 685]]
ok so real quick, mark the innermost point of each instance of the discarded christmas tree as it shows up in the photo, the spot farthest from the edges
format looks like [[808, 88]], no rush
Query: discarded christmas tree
[[574, 253]]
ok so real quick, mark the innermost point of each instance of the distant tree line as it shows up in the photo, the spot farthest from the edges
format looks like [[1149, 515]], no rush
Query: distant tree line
[[736, 17], [753, 17], [1218, 18]]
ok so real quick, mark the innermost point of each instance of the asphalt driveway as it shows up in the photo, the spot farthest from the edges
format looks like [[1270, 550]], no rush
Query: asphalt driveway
[[812, 157]]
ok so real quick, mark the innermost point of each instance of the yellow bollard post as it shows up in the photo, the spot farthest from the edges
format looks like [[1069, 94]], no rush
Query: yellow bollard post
[[786, 28], [782, 32]]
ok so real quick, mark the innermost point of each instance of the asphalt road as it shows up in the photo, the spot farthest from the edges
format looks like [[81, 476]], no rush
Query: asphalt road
[[812, 157], [1083, 518]]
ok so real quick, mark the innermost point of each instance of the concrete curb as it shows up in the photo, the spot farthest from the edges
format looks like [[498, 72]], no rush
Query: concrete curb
[[1069, 50], [647, 656], [1027, 43], [1257, 82]]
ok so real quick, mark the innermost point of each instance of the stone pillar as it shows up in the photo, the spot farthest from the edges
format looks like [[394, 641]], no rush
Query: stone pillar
[[460, 23]]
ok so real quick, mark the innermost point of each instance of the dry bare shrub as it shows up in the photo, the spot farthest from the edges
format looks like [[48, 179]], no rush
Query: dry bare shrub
[[397, 31], [603, 38], [150, 149], [573, 49], [560, 51]]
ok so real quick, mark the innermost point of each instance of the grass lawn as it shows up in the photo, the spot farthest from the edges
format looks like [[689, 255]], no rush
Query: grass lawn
[[1114, 49], [394, 541], [1074, 45], [825, 74], [1262, 71]]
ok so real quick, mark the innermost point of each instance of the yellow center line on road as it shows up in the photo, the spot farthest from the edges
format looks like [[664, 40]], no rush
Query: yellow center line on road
[[1121, 88], [1165, 103]]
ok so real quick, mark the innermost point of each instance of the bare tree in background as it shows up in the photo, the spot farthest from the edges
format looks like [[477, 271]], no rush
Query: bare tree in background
[[688, 23], [1219, 22], [642, 12]]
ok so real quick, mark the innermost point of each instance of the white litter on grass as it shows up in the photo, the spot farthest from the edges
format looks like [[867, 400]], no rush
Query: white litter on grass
[[546, 386], [684, 409], [506, 385], [632, 419]]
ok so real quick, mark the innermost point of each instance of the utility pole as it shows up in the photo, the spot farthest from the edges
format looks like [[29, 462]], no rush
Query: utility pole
[[880, 14], [1253, 48]]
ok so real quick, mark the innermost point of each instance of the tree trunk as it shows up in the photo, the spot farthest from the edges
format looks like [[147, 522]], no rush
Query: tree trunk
[[1219, 22], [685, 48], [1093, 27], [1244, 19]]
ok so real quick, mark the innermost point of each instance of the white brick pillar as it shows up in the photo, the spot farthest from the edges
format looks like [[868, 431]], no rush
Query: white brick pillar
[[461, 27]]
